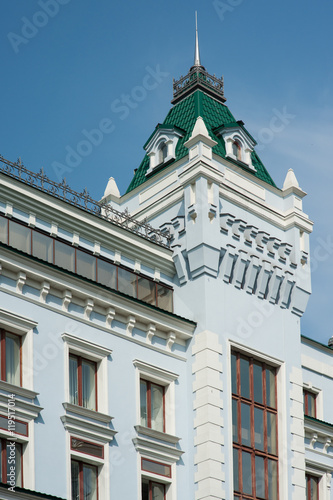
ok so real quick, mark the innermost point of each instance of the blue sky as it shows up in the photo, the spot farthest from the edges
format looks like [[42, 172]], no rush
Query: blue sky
[[66, 64]]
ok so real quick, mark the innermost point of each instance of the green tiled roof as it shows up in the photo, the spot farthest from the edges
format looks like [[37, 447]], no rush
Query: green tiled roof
[[183, 115]]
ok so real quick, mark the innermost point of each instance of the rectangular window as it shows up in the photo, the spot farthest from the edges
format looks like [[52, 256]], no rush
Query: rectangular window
[[3, 230], [42, 247], [164, 298], [82, 382], [147, 290], [64, 256], [86, 265], [11, 462], [152, 490], [106, 273], [14, 425], [10, 357], [83, 481], [312, 487], [20, 237], [127, 282], [254, 416], [309, 401], [93, 449], [152, 409], [156, 467]]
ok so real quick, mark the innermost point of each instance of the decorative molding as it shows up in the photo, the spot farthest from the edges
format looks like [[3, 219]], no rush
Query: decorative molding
[[21, 279], [44, 291], [161, 436], [66, 300], [85, 412], [164, 377], [79, 345], [130, 325], [156, 450], [88, 429]]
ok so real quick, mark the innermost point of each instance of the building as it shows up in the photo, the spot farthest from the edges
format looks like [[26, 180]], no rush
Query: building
[[163, 359]]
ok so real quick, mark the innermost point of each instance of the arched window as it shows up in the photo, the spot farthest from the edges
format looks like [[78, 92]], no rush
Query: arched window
[[236, 150], [163, 152]]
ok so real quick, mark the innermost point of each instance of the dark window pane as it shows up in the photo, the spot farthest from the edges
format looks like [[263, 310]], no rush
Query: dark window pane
[[85, 447], [75, 480], [64, 256], [247, 473], [145, 489], [147, 290], [73, 382], [88, 385], [234, 421], [257, 383], [156, 468], [127, 282], [272, 480], [260, 477], [42, 246], [89, 482], [86, 265], [3, 230], [234, 373], [271, 433], [236, 468], [20, 237], [164, 298], [143, 403], [245, 380], [245, 424], [258, 429], [270, 387], [107, 274]]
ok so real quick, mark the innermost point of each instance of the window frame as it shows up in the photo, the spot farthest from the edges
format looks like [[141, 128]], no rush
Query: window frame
[[306, 394], [308, 478], [3, 343], [163, 378], [267, 409], [3, 453], [80, 360], [75, 346], [149, 383], [151, 482], [81, 464]]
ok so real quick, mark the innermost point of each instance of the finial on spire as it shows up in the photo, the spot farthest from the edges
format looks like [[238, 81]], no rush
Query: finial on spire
[[197, 52]]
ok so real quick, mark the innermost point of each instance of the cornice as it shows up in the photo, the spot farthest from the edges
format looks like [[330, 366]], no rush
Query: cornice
[[153, 321], [93, 228]]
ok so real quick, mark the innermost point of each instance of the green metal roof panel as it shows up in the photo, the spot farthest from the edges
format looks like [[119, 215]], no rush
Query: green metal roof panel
[[183, 115]]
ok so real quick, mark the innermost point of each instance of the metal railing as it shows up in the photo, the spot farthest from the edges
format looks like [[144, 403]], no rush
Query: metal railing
[[62, 191], [198, 75]]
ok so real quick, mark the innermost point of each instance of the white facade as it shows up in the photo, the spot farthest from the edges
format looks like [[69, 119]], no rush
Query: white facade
[[84, 291]]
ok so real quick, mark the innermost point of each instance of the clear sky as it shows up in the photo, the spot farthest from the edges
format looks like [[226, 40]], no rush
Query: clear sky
[[66, 65]]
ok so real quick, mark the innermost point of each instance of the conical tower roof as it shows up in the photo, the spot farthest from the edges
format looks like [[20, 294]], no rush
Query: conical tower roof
[[200, 94]]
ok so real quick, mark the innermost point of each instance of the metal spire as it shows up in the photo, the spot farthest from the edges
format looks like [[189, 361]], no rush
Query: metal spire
[[197, 52]]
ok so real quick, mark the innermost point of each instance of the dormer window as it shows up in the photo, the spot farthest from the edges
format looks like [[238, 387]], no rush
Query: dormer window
[[161, 147], [238, 143]]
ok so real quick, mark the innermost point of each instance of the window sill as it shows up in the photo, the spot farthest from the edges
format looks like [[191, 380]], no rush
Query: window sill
[[162, 436], [17, 390], [147, 445], [85, 412]]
